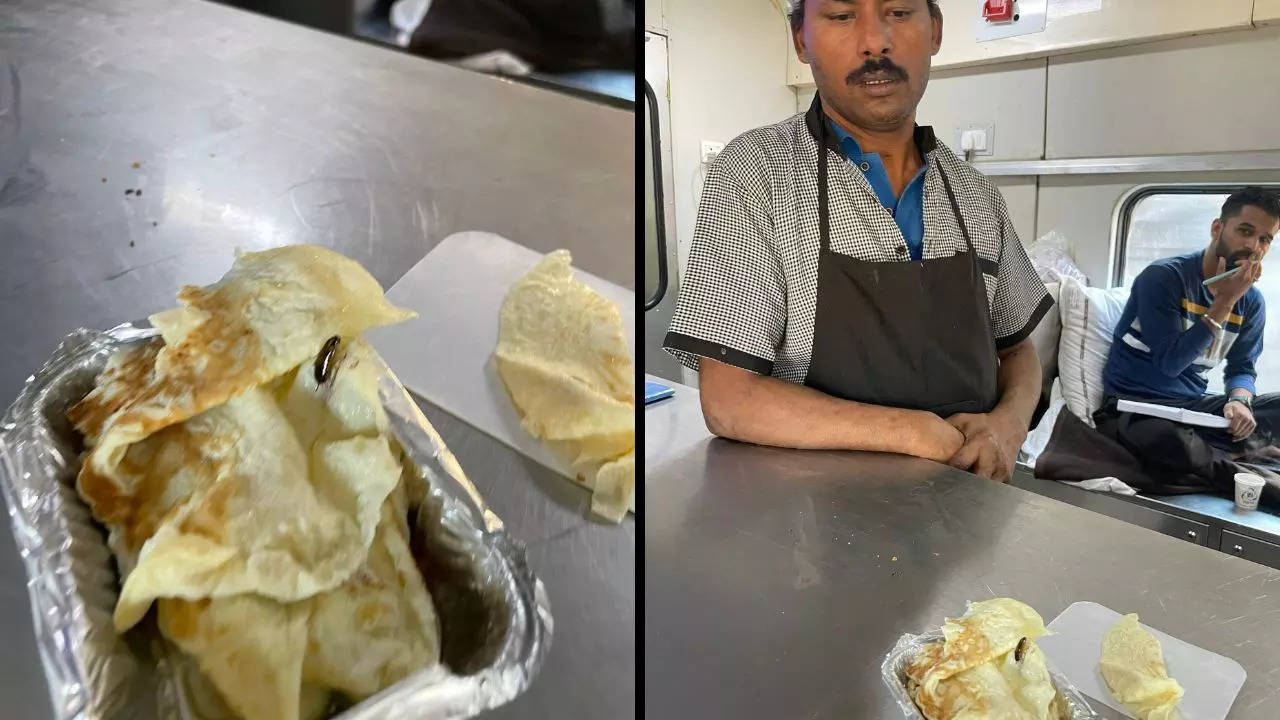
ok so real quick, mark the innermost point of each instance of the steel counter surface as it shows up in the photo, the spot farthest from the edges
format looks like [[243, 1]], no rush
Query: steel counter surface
[[587, 566], [250, 133], [777, 580]]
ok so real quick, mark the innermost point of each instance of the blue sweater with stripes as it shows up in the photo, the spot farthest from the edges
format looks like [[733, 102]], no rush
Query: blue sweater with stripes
[[1162, 350]]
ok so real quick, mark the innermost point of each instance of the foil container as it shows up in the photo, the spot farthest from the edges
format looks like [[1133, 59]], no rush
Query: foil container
[[495, 620], [894, 672]]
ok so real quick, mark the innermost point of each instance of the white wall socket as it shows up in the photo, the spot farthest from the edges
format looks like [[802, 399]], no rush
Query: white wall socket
[[983, 139], [710, 149]]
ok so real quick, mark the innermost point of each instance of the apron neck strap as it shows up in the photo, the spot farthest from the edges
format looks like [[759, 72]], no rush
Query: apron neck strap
[[817, 122], [824, 219], [955, 208]]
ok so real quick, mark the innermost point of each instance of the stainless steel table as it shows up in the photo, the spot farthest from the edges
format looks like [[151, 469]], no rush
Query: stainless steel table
[[776, 580], [249, 132], [589, 569]]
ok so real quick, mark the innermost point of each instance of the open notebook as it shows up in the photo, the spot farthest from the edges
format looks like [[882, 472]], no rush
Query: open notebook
[[1187, 417]]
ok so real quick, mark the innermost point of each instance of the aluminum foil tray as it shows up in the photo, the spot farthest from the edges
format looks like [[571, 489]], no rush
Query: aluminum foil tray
[[894, 672], [495, 620]]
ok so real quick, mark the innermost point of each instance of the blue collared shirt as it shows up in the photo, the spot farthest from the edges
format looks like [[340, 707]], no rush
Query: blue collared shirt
[[908, 209]]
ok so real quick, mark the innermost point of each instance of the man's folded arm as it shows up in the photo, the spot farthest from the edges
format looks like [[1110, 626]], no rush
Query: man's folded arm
[[741, 405]]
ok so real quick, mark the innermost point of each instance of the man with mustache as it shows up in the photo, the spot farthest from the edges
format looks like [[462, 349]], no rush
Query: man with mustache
[[852, 284], [1175, 330]]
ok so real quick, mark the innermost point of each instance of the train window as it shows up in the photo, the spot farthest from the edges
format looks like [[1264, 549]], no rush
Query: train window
[[1159, 222]]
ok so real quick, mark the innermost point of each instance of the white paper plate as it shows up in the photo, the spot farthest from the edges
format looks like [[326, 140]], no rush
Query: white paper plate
[[1211, 681], [446, 353]]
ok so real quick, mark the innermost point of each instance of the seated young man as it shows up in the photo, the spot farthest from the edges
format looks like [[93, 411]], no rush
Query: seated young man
[[1174, 330]]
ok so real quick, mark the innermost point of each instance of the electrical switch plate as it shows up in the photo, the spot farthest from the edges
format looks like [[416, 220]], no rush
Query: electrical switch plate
[[973, 140], [1028, 17], [710, 149], [987, 141]]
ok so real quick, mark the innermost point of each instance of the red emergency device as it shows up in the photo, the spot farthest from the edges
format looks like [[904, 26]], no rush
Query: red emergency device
[[997, 10]]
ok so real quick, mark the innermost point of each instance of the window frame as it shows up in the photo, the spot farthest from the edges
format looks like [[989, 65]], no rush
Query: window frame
[[1128, 202]]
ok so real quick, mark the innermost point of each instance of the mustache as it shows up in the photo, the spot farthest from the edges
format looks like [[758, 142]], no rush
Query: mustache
[[883, 66], [1238, 257], [1233, 258]]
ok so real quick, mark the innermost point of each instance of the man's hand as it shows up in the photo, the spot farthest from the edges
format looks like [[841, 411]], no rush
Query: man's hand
[[1231, 289], [991, 445], [1241, 419], [938, 440]]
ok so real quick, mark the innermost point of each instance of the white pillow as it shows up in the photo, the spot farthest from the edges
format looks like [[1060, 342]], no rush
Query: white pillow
[[1045, 339], [1089, 317]]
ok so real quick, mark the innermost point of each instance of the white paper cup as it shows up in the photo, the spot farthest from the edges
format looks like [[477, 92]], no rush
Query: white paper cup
[[1248, 490]]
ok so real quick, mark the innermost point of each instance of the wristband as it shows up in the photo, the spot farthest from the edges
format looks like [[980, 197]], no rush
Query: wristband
[[1242, 399], [1217, 325]]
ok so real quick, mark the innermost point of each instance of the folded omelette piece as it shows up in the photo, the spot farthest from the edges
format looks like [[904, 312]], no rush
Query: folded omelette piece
[[263, 656], [242, 465], [1133, 667], [270, 313], [563, 357], [987, 666], [272, 521]]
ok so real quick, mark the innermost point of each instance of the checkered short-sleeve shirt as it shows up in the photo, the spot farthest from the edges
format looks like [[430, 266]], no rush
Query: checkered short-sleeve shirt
[[748, 292]]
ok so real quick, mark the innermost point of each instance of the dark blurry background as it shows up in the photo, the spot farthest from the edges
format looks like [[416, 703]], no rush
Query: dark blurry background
[[584, 46]]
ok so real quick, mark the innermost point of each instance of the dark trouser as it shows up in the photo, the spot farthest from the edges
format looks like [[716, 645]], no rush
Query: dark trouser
[[1186, 454], [552, 35]]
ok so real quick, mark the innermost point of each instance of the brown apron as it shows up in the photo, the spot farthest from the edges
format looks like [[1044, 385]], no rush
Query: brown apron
[[902, 334]]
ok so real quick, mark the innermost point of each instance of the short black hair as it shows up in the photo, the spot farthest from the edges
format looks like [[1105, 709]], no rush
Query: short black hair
[[1265, 200], [797, 13]]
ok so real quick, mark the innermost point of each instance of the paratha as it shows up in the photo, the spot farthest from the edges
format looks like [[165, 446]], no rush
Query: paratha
[[987, 666], [242, 465], [1132, 665], [563, 357]]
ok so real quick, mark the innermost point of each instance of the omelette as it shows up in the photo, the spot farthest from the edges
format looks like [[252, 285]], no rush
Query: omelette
[[986, 667], [1133, 666], [563, 356], [242, 465]]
